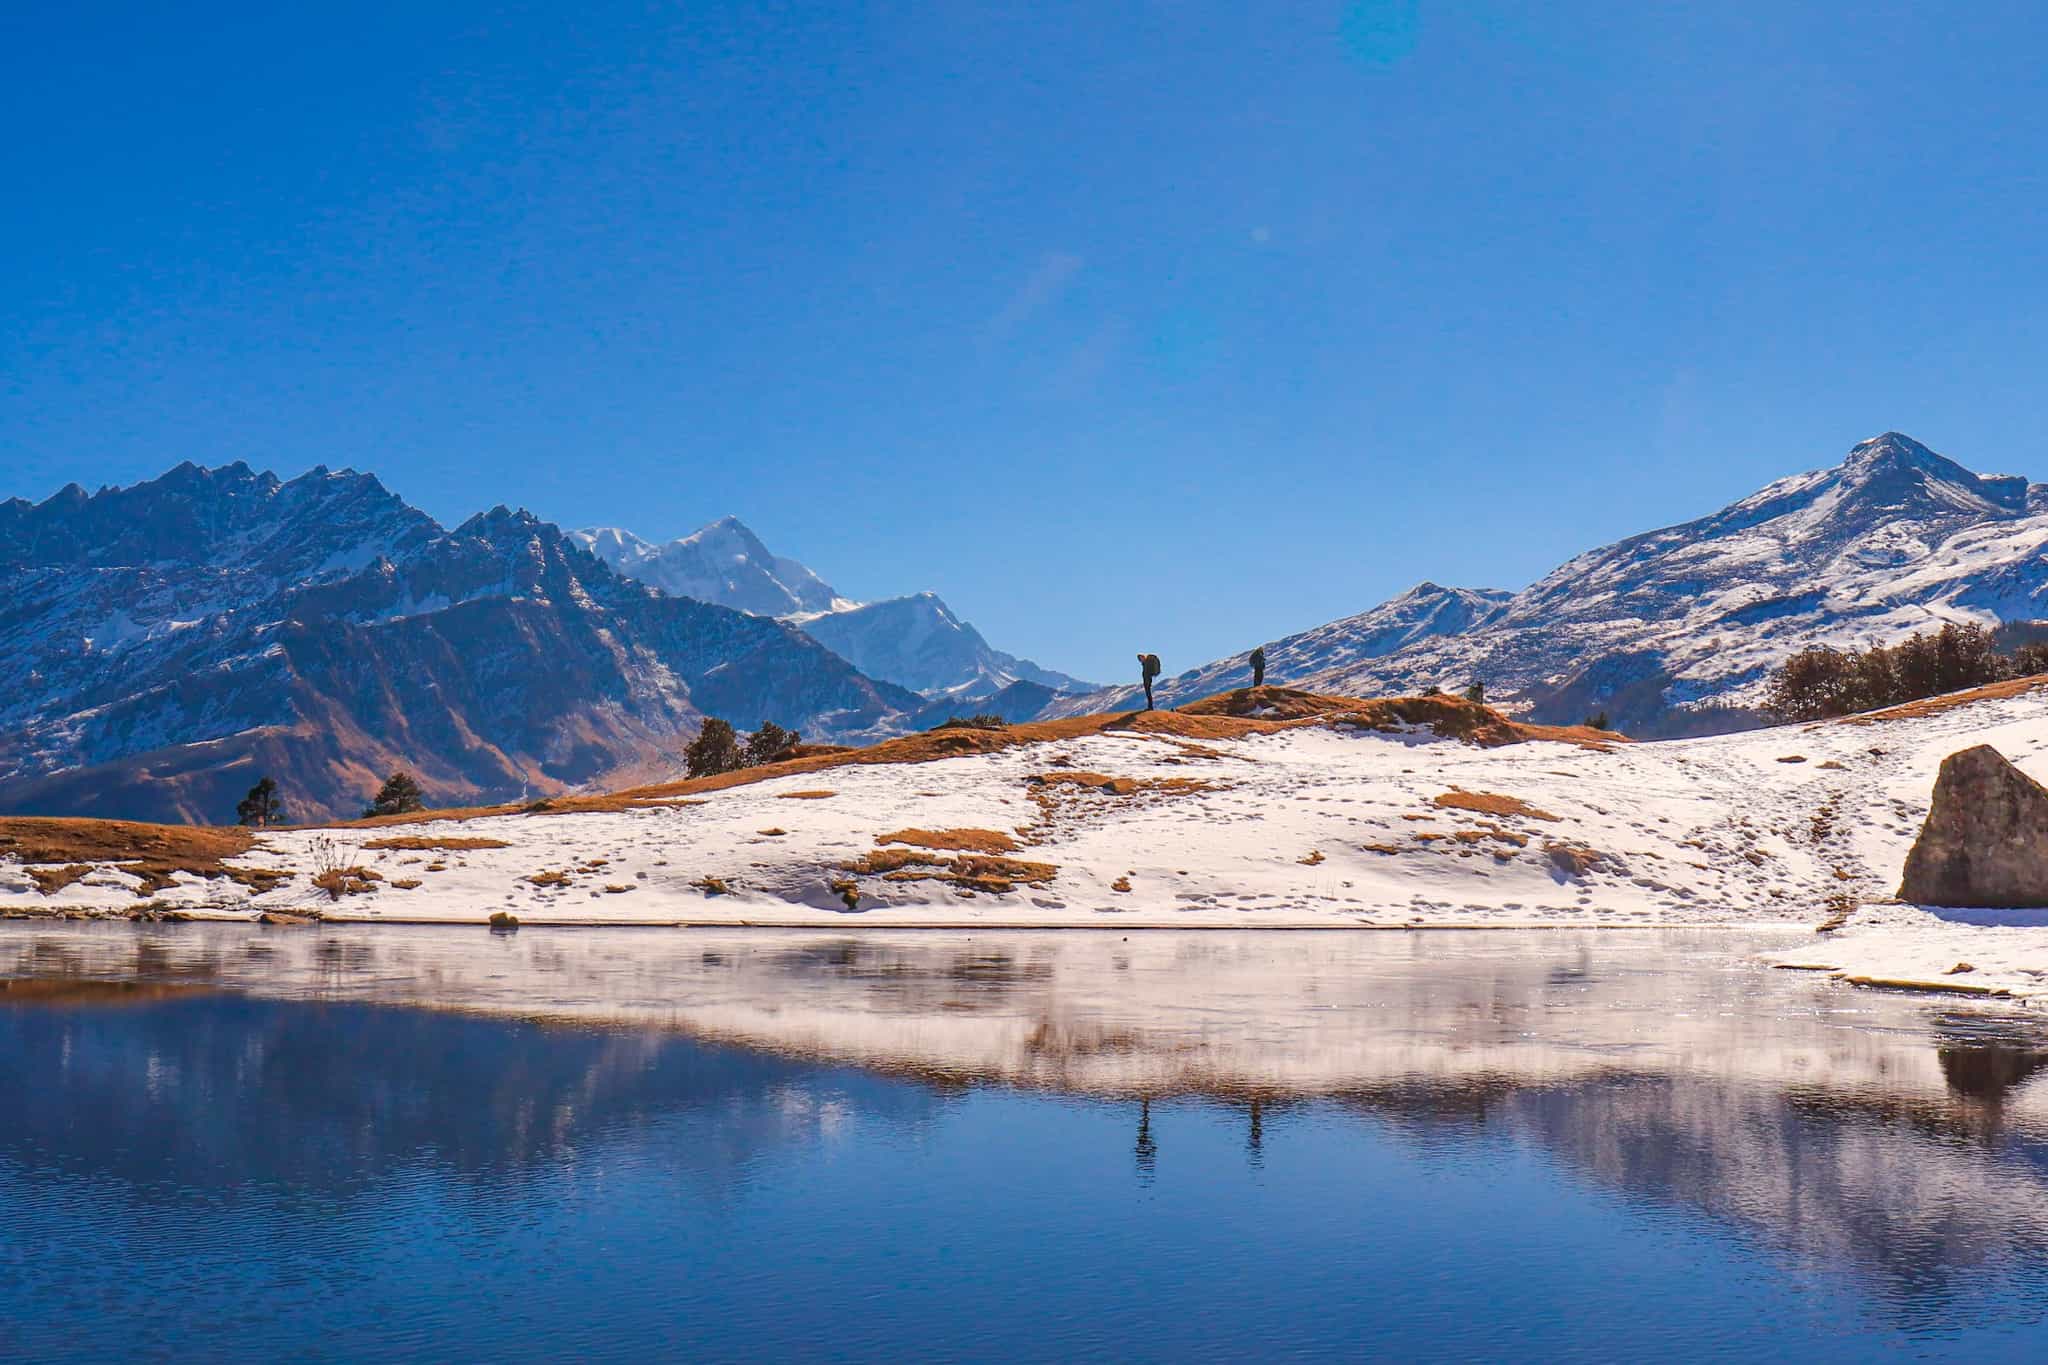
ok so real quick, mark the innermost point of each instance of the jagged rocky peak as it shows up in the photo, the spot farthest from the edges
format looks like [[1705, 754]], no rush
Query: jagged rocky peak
[[225, 518]]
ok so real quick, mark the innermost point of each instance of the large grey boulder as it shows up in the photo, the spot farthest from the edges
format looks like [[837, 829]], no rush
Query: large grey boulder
[[1985, 842]]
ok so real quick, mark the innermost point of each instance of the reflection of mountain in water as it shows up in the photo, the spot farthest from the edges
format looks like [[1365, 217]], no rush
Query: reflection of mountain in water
[[1884, 1134], [185, 1093]]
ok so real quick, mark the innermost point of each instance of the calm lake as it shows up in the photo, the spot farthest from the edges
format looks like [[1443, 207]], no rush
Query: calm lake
[[220, 1142]]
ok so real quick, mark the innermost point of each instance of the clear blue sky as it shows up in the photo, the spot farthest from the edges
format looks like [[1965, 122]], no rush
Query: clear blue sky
[[1174, 325]]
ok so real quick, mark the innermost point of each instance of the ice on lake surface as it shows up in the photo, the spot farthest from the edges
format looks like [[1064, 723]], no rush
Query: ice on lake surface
[[225, 1142]]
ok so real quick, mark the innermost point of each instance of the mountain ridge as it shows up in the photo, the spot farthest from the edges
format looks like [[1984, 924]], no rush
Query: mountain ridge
[[162, 645], [1675, 630], [914, 640]]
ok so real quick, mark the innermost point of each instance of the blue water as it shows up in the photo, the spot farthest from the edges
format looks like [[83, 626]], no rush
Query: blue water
[[218, 1175]]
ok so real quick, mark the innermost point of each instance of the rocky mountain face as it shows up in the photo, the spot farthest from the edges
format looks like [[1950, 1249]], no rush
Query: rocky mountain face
[[1677, 630], [914, 641], [162, 646]]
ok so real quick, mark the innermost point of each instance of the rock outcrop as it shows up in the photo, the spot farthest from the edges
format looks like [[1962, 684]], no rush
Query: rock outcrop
[[1985, 843]]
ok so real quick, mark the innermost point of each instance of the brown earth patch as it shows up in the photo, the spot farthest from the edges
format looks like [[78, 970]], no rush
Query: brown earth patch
[[963, 840], [818, 795], [152, 853], [429, 843], [1491, 803], [1574, 860], [1102, 782], [973, 871], [51, 880]]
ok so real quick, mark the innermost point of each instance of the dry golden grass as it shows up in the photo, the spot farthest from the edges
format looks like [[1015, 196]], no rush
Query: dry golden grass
[[407, 884], [347, 881], [1934, 706], [151, 852], [961, 840], [1490, 803], [1120, 884], [1115, 786], [51, 880], [550, 878], [1574, 860], [428, 843], [772, 832], [818, 795], [973, 871], [882, 861], [1314, 857]]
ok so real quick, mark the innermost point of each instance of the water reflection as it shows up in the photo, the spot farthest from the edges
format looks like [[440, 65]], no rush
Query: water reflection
[[1899, 1140]]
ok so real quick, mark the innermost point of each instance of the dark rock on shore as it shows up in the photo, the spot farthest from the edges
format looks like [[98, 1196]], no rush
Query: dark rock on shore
[[1985, 842]]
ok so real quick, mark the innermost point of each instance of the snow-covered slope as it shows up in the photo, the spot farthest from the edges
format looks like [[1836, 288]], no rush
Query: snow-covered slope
[[914, 641], [1679, 628], [1192, 822], [164, 645], [723, 563]]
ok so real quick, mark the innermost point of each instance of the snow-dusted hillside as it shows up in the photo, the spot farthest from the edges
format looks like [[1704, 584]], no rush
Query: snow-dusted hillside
[[1201, 821], [1663, 629], [1424, 612], [164, 645], [914, 641]]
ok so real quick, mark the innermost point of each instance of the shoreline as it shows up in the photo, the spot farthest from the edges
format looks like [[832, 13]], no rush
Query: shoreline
[[855, 922]]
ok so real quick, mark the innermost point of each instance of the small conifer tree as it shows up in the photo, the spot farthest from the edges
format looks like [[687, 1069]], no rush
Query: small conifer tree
[[1476, 692], [771, 744], [399, 795], [262, 807], [716, 749]]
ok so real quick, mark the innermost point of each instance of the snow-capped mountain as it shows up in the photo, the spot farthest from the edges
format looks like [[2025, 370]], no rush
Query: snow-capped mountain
[[917, 642], [162, 646], [723, 563], [914, 641], [1678, 629]]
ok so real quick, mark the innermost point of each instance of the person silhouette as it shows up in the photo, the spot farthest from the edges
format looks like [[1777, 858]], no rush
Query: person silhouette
[[1259, 666], [1148, 664]]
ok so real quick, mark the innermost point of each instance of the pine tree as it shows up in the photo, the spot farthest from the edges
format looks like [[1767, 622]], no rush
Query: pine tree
[[716, 749], [771, 744], [262, 807], [399, 795], [1476, 692]]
